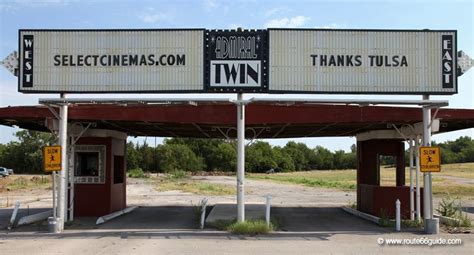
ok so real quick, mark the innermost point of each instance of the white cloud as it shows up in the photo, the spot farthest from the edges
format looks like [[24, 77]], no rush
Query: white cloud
[[150, 15], [277, 10], [15, 5], [297, 21], [332, 26], [210, 5]]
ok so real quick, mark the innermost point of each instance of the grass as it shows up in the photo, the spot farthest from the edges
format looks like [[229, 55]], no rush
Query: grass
[[346, 179], [182, 182], [464, 170], [21, 183], [248, 227], [338, 179], [201, 188]]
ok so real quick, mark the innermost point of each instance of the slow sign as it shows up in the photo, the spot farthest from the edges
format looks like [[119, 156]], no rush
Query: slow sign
[[52, 158], [430, 159]]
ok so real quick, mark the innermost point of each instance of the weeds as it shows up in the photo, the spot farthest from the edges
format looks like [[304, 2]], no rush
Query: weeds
[[451, 207], [178, 174], [384, 220], [248, 227]]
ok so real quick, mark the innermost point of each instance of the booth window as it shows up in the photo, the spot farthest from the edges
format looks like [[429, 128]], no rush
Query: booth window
[[118, 169], [387, 164], [89, 164]]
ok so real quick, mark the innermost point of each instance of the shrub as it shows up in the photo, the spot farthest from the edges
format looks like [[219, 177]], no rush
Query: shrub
[[137, 173], [451, 207], [177, 174]]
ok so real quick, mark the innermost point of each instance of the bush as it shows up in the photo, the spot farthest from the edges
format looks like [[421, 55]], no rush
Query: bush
[[451, 207], [448, 207], [136, 173], [178, 174]]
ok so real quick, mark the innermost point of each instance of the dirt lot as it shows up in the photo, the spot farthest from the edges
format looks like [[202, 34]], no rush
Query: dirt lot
[[142, 192]]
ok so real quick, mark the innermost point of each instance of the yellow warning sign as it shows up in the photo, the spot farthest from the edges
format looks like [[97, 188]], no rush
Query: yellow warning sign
[[430, 159], [52, 158]]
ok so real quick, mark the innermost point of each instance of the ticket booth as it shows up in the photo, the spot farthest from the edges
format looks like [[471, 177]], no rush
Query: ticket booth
[[372, 197], [99, 173]]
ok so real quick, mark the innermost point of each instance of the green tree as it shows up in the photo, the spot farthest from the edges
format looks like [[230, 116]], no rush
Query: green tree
[[300, 154], [207, 149], [173, 157], [283, 160], [259, 157], [324, 158], [133, 156], [26, 155], [225, 157]]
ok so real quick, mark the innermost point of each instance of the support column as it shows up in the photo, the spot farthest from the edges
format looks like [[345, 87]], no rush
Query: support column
[[417, 178], [412, 197], [62, 194], [431, 224], [70, 189], [240, 159]]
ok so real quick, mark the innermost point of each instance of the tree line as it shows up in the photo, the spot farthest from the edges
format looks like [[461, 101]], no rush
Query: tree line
[[189, 154]]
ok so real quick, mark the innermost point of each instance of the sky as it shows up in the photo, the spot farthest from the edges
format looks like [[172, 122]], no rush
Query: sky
[[251, 14]]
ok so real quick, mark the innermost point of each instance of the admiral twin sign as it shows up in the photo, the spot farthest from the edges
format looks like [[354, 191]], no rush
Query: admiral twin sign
[[229, 61]]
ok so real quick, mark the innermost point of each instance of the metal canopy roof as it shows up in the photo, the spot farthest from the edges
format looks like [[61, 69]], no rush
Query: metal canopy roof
[[195, 101], [218, 119]]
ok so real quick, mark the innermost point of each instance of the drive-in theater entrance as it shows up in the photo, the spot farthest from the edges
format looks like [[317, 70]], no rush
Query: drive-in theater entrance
[[273, 61]]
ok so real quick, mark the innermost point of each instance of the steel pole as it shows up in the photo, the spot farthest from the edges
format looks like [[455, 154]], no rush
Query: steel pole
[[417, 178], [62, 194], [431, 224], [55, 204], [240, 158], [427, 176], [412, 191]]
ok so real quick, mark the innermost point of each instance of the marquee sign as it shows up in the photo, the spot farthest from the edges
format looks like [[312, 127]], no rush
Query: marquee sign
[[236, 61], [230, 61], [94, 61], [362, 61]]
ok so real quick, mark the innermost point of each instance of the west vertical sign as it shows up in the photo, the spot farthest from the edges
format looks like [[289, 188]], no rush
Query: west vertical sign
[[236, 61], [27, 66]]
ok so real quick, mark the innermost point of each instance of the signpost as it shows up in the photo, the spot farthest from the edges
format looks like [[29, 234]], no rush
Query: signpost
[[53, 162], [430, 159]]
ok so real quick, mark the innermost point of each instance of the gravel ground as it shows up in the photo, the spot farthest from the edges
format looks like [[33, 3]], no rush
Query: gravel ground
[[142, 192]]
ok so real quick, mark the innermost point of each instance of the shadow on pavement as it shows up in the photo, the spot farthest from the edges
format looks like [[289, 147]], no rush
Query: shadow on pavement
[[181, 222]]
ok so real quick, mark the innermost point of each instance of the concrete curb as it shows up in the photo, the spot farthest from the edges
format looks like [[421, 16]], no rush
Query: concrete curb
[[362, 215], [447, 220]]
